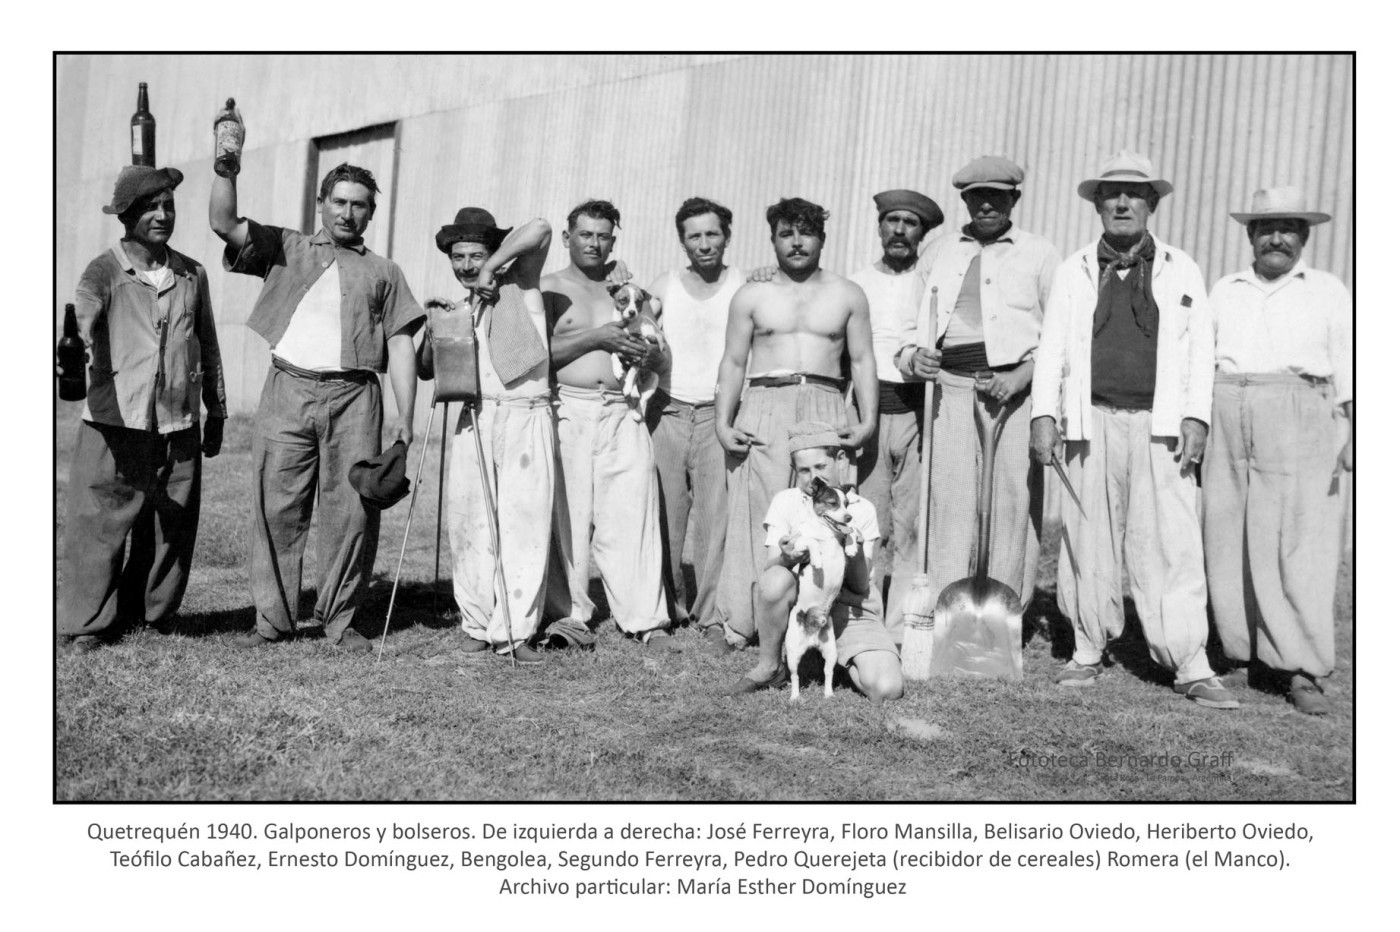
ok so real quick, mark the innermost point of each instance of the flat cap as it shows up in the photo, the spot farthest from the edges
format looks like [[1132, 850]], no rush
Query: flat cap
[[917, 204], [807, 435], [136, 181], [989, 171], [382, 480]]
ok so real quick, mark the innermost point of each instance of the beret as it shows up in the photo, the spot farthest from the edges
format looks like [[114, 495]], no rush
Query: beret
[[914, 202]]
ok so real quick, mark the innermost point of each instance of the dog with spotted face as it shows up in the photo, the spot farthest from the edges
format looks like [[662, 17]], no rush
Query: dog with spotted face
[[828, 540], [631, 306]]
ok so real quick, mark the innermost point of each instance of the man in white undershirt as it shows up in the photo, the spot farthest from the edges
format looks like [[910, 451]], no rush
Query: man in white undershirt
[[321, 409], [692, 305]]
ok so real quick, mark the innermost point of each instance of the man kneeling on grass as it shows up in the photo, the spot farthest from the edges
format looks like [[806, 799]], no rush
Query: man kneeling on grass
[[863, 646]]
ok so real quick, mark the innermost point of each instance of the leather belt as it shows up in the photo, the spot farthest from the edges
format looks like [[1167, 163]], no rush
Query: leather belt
[[798, 378], [324, 375]]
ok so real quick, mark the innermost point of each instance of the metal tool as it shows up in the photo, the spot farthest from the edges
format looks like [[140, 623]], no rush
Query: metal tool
[[412, 499], [916, 653], [1060, 471], [977, 620]]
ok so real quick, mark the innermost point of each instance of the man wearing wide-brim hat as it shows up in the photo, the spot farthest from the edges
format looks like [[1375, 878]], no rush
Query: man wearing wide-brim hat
[[500, 268], [1124, 372], [153, 355], [992, 279], [1280, 439]]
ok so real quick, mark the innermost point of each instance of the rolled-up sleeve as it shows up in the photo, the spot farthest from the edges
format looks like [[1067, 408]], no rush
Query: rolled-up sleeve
[[262, 249], [402, 312]]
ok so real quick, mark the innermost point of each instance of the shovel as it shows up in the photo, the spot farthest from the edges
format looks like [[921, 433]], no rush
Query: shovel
[[977, 621], [916, 652]]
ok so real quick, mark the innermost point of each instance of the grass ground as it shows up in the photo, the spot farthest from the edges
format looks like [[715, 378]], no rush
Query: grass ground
[[188, 717]]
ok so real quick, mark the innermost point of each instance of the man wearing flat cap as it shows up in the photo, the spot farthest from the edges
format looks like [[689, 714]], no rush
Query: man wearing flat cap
[[888, 467], [986, 289], [153, 354], [863, 646], [501, 271], [1280, 440], [335, 316], [1124, 371]]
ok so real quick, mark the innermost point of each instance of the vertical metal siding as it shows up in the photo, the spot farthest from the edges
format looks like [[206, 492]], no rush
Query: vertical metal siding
[[531, 136]]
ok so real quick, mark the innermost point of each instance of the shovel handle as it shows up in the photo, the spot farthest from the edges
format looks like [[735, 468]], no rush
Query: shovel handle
[[926, 441], [984, 498]]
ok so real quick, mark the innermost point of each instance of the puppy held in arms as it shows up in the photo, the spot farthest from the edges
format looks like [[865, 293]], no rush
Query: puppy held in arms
[[631, 307], [827, 539]]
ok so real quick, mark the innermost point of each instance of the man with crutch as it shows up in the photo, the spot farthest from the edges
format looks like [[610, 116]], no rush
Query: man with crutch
[[506, 430]]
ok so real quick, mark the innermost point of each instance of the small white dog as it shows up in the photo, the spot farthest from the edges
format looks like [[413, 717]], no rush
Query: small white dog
[[828, 540], [630, 305]]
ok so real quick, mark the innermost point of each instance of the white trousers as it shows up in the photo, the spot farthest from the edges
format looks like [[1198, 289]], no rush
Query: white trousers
[[608, 509], [1141, 517], [517, 438]]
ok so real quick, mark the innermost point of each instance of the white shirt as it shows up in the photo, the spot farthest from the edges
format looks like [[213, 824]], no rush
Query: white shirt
[[1300, 323], [694, 330], [894, 303], [312, 339]]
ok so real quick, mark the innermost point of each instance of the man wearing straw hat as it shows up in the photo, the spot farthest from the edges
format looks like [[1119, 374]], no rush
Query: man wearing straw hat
[[153, 354], [335, 315], [1283, 384], [1125, 369], [888, 468], [992, 282], [516, 427]]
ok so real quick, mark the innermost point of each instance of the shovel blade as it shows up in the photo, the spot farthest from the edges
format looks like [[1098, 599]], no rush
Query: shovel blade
[[977, 631]]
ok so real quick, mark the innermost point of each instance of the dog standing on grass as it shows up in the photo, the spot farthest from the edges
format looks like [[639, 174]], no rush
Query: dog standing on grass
[[632, 309], [827, 539]]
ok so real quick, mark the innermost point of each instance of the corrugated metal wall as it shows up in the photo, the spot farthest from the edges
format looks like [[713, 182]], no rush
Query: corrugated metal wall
[[532, 136]]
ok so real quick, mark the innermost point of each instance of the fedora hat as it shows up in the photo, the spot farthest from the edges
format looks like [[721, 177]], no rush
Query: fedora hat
[[472, 225], [383, 480], [136, 181], [1126, 167], [1284, 201]]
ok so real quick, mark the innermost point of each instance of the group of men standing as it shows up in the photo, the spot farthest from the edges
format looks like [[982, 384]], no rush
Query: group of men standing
[[1114, 363]]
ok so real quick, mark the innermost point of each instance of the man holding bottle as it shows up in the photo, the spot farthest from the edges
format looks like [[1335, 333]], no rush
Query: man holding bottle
[[321, 408], [144, 314]]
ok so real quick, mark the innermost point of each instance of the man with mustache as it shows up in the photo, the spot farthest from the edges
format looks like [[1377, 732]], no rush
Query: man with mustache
[[335, 316], [1125, 367], [993, 280], [501, 270], [1283, 386], [153, 354], [789, 334], [606, 502], [888, 469], [692, 306]]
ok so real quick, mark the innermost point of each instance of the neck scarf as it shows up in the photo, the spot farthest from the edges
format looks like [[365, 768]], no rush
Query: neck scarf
[[1138, 261]]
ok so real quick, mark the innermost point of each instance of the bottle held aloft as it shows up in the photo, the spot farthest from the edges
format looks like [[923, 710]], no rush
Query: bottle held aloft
[[143, 131], [228, 141], [72, 358]]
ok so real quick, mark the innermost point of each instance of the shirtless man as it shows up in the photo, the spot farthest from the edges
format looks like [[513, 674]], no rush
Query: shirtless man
[[790, 333], [607, 496]]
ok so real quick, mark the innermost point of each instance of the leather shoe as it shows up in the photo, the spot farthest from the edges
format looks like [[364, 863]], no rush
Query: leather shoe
[[354, 641], [528, 656], [716, 644], [84, 644], [253, 639], [474, 647], [661, 642], [1307, 696], [744, 685]]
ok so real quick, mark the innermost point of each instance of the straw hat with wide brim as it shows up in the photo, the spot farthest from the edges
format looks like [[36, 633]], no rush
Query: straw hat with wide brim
[[1126, 167], [1281, 202]]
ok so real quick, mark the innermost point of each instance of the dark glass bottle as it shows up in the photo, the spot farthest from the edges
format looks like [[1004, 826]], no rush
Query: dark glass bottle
[[72, 356], [228, 142], [143, 131]]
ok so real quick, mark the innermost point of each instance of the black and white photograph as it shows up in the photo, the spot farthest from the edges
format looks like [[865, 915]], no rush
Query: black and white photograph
[[529, 430]]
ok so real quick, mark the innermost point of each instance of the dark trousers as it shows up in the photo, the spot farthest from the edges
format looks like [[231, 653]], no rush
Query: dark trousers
[[307, 435], [128, 483]]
